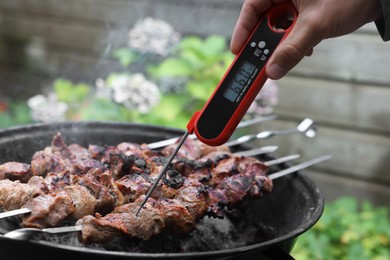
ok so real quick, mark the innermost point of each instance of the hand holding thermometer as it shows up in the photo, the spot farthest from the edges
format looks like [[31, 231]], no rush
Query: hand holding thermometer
[[229, 102]]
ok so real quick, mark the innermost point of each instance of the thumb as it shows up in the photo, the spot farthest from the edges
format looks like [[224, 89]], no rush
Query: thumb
[[298, 44]]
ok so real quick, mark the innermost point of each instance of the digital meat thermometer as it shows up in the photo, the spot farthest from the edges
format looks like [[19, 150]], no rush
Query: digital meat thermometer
[[216, 122]]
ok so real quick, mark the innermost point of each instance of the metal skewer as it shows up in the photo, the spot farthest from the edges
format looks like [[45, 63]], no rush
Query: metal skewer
[[257, 151], [282, 159], [250, 122], [14, 212], [300, 166], [27, 233], [307, 127]]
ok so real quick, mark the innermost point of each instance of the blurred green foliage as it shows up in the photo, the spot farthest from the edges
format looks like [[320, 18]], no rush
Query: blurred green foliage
[[202, 63], [73, 94], [196, 63], [125, 56], [69, 92], [14, 113], [347, 230]]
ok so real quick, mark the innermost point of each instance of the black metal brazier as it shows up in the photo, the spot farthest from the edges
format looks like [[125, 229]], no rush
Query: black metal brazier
[[293, 207]]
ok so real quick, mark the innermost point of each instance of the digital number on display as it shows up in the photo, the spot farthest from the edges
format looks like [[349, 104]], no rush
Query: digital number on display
[[240, 79]]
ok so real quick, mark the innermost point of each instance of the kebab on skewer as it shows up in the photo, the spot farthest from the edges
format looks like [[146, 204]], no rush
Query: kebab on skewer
[[207, 176], [177, 215]]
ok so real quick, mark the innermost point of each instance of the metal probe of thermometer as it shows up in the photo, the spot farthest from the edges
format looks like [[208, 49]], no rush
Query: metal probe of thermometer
[[216, 122]]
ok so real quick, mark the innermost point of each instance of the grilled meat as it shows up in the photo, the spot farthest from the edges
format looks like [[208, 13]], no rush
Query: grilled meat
[[192, 201], [101, 187], [15, 171], [14, 194], [59, 157], [48, 210], [157, 216]]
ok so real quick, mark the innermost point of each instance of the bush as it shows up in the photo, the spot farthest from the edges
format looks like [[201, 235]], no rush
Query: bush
[[348, 229]]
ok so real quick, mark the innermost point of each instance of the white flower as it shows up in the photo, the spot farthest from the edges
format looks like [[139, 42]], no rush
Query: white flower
[[47, 109], [102, 90], [153, 36], [135, 92]]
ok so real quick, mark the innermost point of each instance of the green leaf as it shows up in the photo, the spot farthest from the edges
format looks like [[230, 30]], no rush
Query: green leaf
[[172, 67], [169, 112], [201, 89], [214, 45], [194, 58], [125, 56], [191, 43], [68, 92]]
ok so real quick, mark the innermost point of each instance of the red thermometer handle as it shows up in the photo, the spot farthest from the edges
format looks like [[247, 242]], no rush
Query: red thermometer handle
[[216, 122]]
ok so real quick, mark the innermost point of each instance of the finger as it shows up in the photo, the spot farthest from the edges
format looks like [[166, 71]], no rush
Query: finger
[[291, 51], [309, 53], [250, 14]]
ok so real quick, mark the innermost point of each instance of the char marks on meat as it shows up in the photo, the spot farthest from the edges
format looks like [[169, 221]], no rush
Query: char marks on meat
[[14, 194], [15, 171], [101, 187], [48, 210]]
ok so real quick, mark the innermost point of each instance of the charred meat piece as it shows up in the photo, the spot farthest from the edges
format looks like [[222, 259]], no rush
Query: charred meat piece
[[58, 180], [84, 194], [105, 200], [140, 151], [120, 164], [189, 150], [15, 171], [225, 168], [250, 180], [257, 170], [82, 200], [59, 157], [78, 151], [58, 146], [48, 210], [157, 216], [194, 196], [133, 186], [39, 190], [62, 198], [45, 161], [14, 194], [123, 221], [39, 184]]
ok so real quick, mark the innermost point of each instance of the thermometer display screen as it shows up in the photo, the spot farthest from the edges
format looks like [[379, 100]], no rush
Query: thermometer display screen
[[239, 81]]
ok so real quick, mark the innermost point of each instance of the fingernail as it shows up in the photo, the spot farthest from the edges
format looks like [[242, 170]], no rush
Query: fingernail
[[276, 71]]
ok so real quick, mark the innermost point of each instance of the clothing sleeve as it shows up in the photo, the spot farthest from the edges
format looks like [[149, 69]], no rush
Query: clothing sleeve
[[383, 24]]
